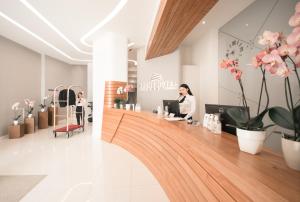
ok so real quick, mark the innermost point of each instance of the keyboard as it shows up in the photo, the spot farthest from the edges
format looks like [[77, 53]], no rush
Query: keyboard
[[175, 119]]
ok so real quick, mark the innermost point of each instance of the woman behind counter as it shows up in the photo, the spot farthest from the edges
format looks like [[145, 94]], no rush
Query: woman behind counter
[[187, 102]]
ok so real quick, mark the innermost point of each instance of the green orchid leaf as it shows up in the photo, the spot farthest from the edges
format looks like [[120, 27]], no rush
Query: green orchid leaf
[[282, 117], [240, 116], [268, 126], [256, 122]]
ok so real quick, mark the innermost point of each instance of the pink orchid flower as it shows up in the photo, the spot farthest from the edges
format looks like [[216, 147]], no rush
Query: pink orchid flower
[[295, 20], [268, 38], [270, 68], [294, 38], [272, 58], [283, 72], [226, 63], [231, 69], [297, 7], [287, 50], [257, 60], [27, 101], [273, 61], [297, 59], [223, 64], [237, 75]]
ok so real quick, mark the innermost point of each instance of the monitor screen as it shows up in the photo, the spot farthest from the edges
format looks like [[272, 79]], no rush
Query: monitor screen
[[224, 117], [173, 106]]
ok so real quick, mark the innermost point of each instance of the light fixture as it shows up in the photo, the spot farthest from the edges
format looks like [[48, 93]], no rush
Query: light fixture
[[40, 16], [115, 11], [203, 22], [246, 24], [130, 45], [133, 61], [40, 39]]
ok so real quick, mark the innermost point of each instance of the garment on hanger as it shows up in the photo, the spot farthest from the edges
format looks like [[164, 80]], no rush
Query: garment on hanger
[[63, 96]]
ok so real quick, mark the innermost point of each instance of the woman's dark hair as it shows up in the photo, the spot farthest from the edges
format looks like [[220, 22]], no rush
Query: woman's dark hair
[[186, 87], [80, 93]]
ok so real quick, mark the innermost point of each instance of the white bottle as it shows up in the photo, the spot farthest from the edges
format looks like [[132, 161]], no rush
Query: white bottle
[[217, 125], [210, 122], [166, 111], [205, 120], [159, 111]]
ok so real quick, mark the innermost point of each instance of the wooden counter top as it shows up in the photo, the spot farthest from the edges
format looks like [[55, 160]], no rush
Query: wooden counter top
[[193, 164]]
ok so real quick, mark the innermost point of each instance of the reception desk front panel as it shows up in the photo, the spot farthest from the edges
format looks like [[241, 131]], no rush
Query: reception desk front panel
[[192, 164]]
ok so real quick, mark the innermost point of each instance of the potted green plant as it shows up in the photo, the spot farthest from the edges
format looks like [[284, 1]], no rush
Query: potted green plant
[[288, 118], [250, 130], [118, 102]]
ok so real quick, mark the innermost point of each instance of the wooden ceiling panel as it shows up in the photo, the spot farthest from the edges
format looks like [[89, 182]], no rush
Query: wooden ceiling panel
[[174, 21]]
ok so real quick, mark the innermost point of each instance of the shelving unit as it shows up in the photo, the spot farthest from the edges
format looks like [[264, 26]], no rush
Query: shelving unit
[[132, 76]]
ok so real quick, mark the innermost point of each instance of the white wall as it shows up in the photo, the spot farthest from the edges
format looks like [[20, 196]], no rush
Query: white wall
[[61, 73], [19, 78], [168, 67], [24, 74], [205, 56]]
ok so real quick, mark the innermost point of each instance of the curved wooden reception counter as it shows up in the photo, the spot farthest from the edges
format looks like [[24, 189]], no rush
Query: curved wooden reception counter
[[192, 164]]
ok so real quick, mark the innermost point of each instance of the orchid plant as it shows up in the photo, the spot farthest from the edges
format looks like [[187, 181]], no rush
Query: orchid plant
[[274, 60], [43, 105], [15, 108], [279, 50], [122, 90], [29, 105], [242, 116]]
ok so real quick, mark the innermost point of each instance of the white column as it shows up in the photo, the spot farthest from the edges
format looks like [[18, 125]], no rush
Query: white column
[[110, 57], [90, 82], [43, 77]]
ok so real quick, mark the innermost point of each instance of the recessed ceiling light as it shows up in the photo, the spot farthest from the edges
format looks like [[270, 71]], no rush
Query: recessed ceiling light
[[40, 39], [203, 22], [115, 11], [130, 45], [133, 61], [39, 15], [246, 24]]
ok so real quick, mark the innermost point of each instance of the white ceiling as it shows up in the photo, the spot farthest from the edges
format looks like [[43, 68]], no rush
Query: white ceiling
[[74, 18], [220, 14]]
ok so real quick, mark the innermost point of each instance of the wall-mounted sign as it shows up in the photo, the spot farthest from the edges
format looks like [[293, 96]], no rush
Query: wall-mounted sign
[[157, 83]]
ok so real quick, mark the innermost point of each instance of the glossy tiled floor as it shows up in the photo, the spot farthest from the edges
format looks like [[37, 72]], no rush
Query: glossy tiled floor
[[80, 168]]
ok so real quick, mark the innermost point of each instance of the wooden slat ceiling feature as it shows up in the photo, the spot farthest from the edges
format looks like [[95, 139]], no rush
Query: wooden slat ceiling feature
[[174, 21]]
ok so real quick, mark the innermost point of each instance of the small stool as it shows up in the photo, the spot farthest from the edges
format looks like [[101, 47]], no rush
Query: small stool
[[16, 131], [43, 120], [29, 125], [51, 116]]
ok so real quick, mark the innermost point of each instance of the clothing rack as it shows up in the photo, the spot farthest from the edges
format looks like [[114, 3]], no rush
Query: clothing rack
[[69, 127]]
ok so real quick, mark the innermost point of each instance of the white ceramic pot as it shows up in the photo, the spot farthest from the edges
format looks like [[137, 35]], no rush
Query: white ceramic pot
[[42, 109], [291, 153], [251, 141], [16, 122], [29, 115]]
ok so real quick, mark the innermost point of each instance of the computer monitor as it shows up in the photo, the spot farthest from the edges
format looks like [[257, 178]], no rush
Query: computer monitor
[[224, 117], [173, 106]]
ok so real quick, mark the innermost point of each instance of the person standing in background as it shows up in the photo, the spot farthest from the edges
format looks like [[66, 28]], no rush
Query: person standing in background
[[80, 111]]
